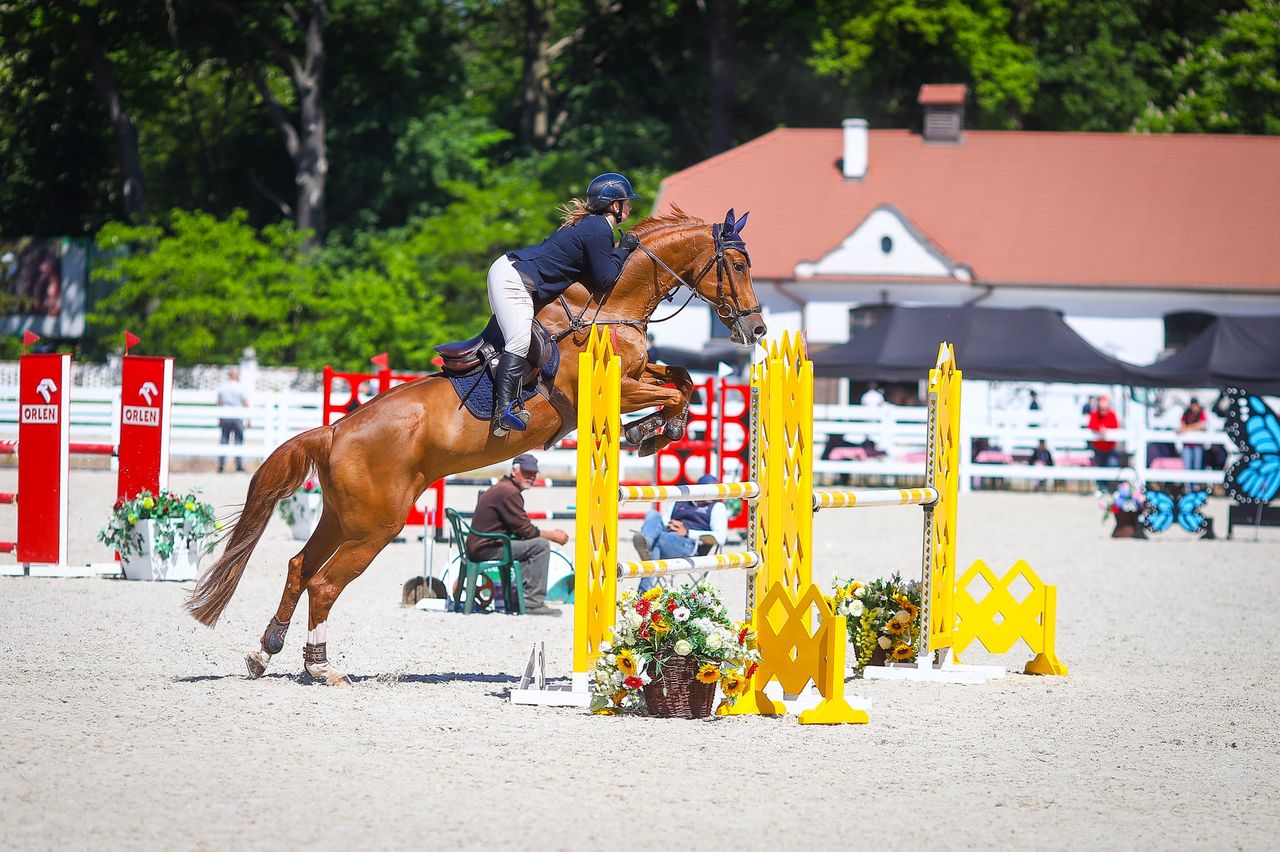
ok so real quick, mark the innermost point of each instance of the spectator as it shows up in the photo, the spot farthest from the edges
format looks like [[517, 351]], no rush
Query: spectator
[[678, 531], [1194, 419], [1035, 402], [501, 509], [1041, 457], [872, 398], [1090, 406], [231, 395], [1101, 420]]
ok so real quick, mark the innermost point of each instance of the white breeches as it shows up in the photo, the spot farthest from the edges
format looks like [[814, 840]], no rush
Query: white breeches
[[512, 305]]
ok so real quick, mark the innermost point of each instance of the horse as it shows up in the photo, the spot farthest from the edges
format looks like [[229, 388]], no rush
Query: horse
[[375, 462]]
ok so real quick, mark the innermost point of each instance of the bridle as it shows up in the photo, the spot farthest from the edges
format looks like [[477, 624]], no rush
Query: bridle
[[728, 312]]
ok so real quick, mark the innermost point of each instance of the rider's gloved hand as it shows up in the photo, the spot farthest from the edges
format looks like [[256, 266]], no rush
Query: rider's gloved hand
[[629, 242]]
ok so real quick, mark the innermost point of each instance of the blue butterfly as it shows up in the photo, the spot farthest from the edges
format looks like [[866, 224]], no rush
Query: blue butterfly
[[1163, 508], [1253, 426]]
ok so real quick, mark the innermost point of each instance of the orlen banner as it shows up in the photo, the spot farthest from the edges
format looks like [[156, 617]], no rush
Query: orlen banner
[[44, 429], [146, 405]]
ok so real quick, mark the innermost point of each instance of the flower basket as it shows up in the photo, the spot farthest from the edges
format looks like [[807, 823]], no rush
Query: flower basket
[[301, 510], [671, 649], [676, 692], [145, 563], [160, 536], [1127, 525], [882, 617]]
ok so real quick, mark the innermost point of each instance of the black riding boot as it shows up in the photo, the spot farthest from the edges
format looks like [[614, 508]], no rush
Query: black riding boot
[[506, 395]]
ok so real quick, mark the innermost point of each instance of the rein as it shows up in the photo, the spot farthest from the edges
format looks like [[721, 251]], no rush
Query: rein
[[721, 306]]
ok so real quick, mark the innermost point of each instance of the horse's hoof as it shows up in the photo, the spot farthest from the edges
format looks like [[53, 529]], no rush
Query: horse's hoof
[[648, 446], [257, 663], [327, 674]]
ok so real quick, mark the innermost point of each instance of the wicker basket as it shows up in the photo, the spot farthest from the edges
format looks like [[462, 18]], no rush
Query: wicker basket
[[676, 692]]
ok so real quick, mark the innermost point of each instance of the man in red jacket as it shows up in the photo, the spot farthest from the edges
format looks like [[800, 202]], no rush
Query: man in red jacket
[[501, 509], [1102, 419]]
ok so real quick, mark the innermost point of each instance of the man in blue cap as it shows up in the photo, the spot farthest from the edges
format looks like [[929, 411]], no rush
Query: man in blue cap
[[501, 509], [678, 529]]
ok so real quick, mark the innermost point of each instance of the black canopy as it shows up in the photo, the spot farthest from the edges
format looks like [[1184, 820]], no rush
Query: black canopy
[[705, 360], [1034, 344], [1233, 350]]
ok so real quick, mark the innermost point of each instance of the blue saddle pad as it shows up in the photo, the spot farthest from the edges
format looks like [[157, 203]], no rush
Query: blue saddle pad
[[476, 387]]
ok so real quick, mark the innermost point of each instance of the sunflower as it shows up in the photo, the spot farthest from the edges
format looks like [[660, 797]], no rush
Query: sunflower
[[903, 652], [733, 684], [653, 593], [618, 697], [626, 662], [895, 627], [709, 673], [661, 625]]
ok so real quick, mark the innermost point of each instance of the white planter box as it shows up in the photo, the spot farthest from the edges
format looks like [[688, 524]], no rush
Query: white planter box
[[306, 514], [143, 564]]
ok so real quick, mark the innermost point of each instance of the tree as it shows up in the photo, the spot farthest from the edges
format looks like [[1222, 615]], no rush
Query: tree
[[303, 65], [1228, 83], [885, 49]]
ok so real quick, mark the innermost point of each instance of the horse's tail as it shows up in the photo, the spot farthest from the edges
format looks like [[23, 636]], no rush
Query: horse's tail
[[280, 475]]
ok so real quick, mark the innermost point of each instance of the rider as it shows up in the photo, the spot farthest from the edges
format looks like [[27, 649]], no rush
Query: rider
[[522, 282]]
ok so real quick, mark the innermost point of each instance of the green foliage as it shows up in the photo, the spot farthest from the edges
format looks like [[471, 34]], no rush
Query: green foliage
[[1228, 83], [885, 49]]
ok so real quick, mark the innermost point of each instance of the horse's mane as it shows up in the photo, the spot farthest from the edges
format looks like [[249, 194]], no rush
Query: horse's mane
[[676, 218]]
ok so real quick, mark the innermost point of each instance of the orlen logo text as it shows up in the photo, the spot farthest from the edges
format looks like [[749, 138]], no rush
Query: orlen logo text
[[138, 415], [39, 414]]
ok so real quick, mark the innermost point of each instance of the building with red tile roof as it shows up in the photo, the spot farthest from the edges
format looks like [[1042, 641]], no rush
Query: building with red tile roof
[[1117, 231]]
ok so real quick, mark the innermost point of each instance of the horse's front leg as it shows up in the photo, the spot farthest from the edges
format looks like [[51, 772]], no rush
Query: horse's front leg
[[649, 432], [676, 415]]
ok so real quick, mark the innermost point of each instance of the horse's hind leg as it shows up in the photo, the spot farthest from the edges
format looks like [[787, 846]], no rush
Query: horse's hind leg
[[323, 588], [321, 545]]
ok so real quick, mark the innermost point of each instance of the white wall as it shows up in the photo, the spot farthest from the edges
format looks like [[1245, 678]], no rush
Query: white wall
[[1136, 340]]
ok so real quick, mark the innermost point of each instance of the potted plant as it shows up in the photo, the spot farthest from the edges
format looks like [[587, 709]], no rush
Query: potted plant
[[1125, 505], [160, 536], [301, 510], [883, 619], [671, 648]]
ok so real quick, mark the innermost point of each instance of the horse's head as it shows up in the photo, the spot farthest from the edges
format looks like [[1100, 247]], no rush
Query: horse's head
[[729, 289], [711, 260]]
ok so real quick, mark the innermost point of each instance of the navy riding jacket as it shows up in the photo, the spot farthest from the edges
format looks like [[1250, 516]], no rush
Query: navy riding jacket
[[581, 252]]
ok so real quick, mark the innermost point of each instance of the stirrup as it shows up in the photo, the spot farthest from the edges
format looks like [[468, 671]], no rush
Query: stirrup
[[513, 419]]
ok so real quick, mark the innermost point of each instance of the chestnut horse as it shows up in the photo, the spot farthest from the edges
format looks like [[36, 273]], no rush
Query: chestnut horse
[[375, 462]]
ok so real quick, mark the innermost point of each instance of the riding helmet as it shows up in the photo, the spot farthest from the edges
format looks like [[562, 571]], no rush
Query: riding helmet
[[606, 189]]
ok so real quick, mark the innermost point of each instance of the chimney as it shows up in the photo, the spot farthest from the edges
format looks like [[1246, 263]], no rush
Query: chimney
[[943, 111], [855, 148]]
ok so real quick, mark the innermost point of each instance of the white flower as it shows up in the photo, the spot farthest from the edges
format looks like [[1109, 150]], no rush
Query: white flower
[[634, 618], [680, 613], [611, 659], [606, 647], [683, 648], [859, 592], [855, 608], [715, 640], [885, 642]]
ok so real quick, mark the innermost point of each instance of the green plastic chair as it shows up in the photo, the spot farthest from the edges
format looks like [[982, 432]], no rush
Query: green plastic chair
[[506, 570]]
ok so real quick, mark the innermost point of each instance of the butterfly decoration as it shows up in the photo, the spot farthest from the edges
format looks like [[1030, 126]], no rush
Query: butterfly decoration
[[1162, 509], [1254, 428]]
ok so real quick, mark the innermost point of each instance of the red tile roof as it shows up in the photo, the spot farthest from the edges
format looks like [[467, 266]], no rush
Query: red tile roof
[[1073, 209], [942, 93]]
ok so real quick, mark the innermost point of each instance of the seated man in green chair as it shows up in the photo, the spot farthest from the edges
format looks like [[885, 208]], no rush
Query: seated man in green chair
[[501, 509]]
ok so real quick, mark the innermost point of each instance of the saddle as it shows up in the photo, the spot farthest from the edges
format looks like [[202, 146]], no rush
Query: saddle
[[469, 365], [464, 356]]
